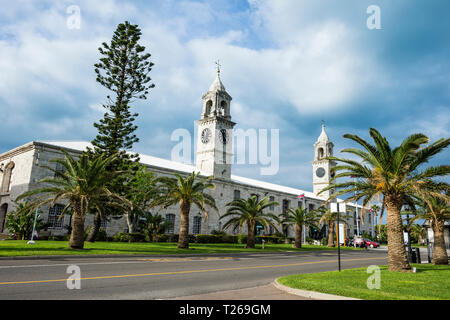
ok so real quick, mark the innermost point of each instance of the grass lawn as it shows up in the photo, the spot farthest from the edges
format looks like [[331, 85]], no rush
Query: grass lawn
[[44, 247], [428, 283]]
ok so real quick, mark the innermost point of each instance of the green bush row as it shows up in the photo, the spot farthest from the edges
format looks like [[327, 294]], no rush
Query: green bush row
[[199, 238]]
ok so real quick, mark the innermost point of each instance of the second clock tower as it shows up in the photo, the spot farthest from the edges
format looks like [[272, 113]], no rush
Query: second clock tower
[[215, 132]]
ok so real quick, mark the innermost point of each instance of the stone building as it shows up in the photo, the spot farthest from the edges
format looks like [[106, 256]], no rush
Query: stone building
[[22, 167]]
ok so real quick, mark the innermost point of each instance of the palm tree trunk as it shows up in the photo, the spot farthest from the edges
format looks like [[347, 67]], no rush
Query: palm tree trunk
[[439, 253], [331, 235], [77, 236], [95, 228], [183, 240], [251, 235], [397, 257], [298, 236]]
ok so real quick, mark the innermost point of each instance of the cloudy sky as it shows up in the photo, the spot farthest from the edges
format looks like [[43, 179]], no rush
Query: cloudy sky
[[288, 65]]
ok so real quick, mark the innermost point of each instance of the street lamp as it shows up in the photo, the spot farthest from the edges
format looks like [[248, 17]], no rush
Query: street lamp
[[336, 208], [409, 238]]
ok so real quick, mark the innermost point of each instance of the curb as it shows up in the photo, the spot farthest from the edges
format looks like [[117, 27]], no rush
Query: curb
[[310, 294]]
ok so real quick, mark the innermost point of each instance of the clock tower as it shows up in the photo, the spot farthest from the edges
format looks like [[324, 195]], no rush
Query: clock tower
[[321, 166], [215, 132]]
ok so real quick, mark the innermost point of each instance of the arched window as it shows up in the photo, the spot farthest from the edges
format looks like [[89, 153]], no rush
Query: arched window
[[223, 108], [320, 153], [6, 183], [208, 109]]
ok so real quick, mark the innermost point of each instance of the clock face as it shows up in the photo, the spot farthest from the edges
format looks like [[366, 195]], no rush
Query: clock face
[[223, 136], [206, 135], [320, 172]]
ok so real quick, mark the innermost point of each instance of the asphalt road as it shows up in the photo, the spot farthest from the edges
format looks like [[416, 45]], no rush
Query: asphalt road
[[164, 277]]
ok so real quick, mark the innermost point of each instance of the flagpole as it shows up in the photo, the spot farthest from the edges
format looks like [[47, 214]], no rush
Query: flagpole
[[34, 228]]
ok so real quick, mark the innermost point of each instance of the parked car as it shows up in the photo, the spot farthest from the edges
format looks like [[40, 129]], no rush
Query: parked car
[[371, 244], [359, 242]]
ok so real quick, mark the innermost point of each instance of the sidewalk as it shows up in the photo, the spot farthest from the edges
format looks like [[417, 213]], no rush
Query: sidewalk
[[267, 292]]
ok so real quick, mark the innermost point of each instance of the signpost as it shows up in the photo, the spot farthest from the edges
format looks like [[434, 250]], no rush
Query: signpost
[[335, 207]]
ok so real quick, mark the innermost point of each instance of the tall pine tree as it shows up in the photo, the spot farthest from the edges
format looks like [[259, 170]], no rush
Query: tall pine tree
[[123, 69]]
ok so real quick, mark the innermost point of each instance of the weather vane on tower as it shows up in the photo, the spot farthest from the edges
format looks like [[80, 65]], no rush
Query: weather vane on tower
[[218, 66]]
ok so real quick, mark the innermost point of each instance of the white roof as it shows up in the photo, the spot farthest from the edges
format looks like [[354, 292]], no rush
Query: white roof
[[217, 85], [323, 136], [173, 165]]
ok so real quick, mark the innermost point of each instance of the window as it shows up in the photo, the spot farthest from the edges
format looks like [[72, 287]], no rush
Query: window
[[300, 204], [272, 199], [285, 206], [237, 194], [103, 224], [236, 229], [197, 225], [7, 172], [320, 153], [223, 108], [170, 218], [310, 207], [54, 217], [59, 169], [208, 107]]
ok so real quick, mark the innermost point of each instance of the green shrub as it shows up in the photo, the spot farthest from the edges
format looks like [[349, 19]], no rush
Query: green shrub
[[208, 238], [20, 222], [229, 239], [218, 233], [128, 237], [101, 234], [242, 238], [309, 241], [269, 239]]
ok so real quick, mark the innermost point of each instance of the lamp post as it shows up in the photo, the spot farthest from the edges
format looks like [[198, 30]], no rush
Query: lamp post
[[338, 239], [409, 238], [336, 208]]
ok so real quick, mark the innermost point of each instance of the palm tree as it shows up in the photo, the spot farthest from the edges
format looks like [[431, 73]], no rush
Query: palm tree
[[418, 232], [184, 192], [82, 185], [392, 174], [329, 218], [250, 211], [300, 218], [154, 225], [436, 211]]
